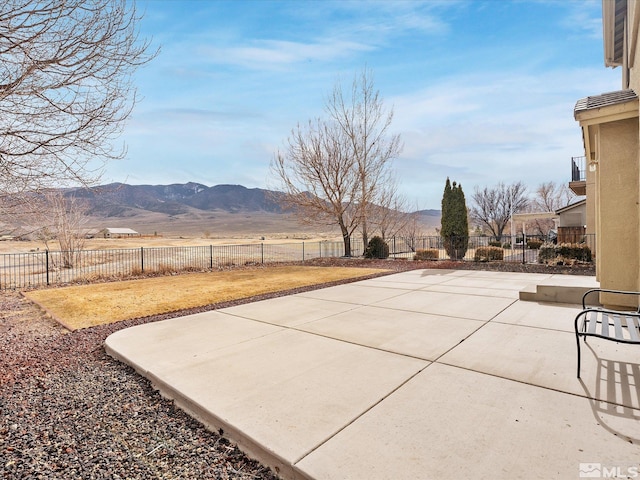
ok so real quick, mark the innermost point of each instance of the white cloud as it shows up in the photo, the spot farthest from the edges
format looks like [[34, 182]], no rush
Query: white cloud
[[482, 129], [259, 54]]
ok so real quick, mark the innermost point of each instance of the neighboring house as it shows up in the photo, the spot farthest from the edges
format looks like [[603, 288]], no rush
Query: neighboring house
[[572, 221], [91, 232], [118, 233], [610, 133]]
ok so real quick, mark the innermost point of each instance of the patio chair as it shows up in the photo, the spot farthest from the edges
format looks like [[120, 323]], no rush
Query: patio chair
[[615, 325]]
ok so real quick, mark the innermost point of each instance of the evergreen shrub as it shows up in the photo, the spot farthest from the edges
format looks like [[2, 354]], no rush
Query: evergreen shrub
[[377, 248]]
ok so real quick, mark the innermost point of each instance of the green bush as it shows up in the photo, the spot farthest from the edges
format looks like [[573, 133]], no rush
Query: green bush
[[495, 243], [488, 254], [427, 254], [377, 248], [577, 251], [534, 243], [564, 253], [507, 245]]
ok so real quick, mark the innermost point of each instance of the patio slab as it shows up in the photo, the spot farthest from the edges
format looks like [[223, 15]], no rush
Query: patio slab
[[451, 423], [554, 316], [548, 358], [414, 334], [277, 395], [486, 292], [475, 307], [355, 293], [289, 311], [388, 379]]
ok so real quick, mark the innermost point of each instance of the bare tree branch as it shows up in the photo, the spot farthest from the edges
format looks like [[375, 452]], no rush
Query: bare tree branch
[[65, 88], [492, 207], [317, 174], [365, 124], [550, 197]]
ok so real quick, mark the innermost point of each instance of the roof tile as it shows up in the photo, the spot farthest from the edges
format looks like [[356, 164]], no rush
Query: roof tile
[[604, 100]]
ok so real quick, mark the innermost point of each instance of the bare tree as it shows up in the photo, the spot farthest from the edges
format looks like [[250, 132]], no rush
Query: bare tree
[[319, 176], [412, 229], [550, 196], [61, 219], [365, 124], [493, 207], [388, 214], [65, 88]]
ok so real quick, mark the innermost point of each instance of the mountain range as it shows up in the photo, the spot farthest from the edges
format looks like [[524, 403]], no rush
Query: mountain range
[[192, 207], [121, 199]]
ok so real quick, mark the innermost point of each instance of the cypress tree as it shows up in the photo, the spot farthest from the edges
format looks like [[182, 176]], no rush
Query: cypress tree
[[454, 221]]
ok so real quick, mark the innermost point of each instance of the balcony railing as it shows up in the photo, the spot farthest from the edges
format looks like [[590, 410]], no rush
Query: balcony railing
[[578, 171]]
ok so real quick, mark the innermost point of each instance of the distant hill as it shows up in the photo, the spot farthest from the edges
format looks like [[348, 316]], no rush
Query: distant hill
[[429, 213], [122, 200], [193, 208]]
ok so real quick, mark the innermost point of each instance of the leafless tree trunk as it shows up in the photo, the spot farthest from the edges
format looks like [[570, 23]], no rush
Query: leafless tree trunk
[[365, 124], [493, 207], [65, 89], [318, 175]]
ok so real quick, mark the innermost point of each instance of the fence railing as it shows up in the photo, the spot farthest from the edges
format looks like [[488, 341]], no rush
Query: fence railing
[[34, 269], [578, 169]]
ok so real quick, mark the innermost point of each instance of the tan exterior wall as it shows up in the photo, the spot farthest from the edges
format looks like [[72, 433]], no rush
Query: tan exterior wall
[[617, 212], [591, 202], [575, 217]]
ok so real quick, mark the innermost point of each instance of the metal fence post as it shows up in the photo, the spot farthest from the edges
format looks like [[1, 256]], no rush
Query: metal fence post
[[262, 253], [142, 259], [303, 251], [46, 253], [320, 248], [524, 245]]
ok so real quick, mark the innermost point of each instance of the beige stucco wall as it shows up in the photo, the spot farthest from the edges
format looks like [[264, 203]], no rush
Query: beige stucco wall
[[574, 217], [617, 212], [591, 202]]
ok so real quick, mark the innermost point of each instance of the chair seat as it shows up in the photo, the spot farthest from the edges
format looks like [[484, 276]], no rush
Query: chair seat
[[612, 325]]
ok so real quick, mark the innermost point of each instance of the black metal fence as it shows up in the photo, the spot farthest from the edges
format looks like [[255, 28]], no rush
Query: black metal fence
[[41, 268], [578, 170]]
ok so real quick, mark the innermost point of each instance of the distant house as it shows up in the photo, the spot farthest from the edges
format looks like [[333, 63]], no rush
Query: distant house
[[572, 225], [91, 232], [118, 233]]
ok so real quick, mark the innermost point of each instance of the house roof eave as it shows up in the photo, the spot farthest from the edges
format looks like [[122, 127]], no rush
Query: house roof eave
[[614, 14], [606, 107]]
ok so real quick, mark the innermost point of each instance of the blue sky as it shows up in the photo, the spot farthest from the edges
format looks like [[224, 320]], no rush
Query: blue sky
[[482, 91]]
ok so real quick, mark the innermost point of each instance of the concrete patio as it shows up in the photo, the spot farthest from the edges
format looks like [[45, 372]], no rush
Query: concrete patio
[[426, 374]]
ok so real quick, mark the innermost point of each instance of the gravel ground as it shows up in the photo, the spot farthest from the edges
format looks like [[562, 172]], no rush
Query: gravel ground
[[69, 411]]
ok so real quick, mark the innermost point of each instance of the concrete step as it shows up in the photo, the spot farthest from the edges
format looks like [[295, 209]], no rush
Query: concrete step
[[559, 289]]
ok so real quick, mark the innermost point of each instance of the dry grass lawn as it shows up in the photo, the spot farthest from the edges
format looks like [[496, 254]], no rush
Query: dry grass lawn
[[90, 305]]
